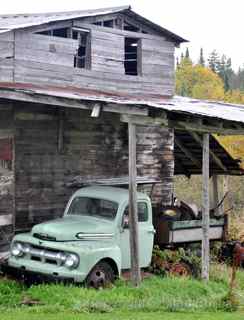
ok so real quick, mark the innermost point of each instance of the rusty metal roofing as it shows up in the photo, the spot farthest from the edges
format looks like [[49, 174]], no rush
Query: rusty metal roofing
[[18, 21], [180, 105], [177, 104]]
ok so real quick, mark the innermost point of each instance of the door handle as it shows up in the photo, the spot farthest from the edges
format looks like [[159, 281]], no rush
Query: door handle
[[151, 231]]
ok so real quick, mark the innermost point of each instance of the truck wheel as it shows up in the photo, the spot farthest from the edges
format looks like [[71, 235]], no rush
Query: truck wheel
[[180, 269], [101, 276]]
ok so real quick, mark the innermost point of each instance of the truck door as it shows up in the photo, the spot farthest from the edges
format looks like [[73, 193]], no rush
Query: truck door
[[145, 234]]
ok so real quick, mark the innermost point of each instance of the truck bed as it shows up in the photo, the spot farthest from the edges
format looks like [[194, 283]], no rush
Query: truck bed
[[171, 232]]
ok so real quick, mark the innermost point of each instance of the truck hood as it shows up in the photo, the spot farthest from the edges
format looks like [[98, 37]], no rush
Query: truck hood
[[70, 228]]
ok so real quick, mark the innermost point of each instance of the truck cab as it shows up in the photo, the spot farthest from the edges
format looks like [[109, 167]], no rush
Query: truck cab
[[90, 242]]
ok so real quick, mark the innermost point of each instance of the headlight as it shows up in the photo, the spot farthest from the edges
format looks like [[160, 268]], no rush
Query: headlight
[[72, 261], [17, 249]]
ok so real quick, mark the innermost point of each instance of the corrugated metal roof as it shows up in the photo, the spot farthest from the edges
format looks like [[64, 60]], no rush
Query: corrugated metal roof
[[212, 109], [202, 108], [18, 21]]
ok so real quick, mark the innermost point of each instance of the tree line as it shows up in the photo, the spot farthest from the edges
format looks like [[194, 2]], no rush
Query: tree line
[[212, 78]]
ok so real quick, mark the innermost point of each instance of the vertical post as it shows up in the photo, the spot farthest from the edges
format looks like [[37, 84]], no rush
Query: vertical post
[[133, 217], [226, 204], [216, 194], [205, 208]]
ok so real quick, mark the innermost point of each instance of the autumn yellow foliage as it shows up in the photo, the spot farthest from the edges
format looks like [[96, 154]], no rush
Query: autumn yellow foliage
[[200, 82]]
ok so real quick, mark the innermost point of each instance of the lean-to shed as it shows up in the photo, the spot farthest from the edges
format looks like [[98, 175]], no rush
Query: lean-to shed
[[69, 85]]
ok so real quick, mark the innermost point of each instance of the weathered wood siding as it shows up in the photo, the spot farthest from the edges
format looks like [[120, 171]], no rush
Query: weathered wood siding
[[6, 56], [6, 178], [44, 59], [41, 59], [92, 148], [155, 158]]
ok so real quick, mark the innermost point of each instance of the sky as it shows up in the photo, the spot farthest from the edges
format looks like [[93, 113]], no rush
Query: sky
[[210, 24]]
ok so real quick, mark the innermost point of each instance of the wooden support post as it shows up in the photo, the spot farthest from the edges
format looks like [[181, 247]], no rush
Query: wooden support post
[[133, 217], [216, 195], [215, 158], [226, 204], [205, 208]]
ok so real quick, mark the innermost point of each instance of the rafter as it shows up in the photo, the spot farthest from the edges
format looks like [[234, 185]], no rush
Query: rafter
[[188, 153], [215, 158]]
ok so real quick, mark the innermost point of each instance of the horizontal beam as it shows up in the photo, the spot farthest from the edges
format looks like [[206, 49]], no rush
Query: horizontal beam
[[202, 128], [215, 158], [144, 120], [79, 103]]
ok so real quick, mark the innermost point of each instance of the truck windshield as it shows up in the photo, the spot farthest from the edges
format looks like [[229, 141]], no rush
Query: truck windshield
[[93, 207]]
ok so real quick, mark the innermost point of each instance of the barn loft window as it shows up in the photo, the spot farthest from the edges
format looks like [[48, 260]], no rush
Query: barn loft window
[[105, 23], [130, 27], [60, 32], [132, 56], [108, 23], [82, 58]]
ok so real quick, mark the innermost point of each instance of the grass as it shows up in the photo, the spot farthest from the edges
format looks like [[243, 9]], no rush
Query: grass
[[22, 315], [169, 298]]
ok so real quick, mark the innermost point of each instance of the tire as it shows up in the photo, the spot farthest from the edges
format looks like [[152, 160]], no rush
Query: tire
[[101, 276], [180, 269]]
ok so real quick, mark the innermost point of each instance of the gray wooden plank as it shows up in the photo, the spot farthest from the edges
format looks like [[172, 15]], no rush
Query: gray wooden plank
[[205, 209]]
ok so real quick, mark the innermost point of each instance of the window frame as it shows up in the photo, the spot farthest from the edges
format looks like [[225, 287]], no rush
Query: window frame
[[87, 56], [138, 202], [138, 56]]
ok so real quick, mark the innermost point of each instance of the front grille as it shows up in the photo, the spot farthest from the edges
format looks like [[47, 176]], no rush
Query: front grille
[[41, 254], [44, 237]]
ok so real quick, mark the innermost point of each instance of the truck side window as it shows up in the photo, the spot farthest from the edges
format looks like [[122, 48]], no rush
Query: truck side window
[[142, 212]]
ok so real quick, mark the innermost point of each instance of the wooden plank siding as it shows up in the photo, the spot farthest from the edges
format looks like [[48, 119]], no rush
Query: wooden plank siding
[[7, 200], [41, 59], [92, 148], [43, 49], [7, 56]]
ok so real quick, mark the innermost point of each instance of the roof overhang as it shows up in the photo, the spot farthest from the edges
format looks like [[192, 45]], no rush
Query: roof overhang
[[188, 117], [20, 21], [177, 112]]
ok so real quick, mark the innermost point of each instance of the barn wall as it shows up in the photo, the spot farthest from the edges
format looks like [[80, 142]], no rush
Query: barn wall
[[40, 59], [7, 56], [6, 175], [91, 148]]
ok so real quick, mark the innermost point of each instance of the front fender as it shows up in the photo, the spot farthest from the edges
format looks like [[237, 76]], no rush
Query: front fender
[[113, 253]]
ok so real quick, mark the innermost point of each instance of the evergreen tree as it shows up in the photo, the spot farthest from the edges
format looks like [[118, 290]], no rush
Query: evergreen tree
[[201, 59], [182, 57], [213, 61], [224, 70], [187, 55]]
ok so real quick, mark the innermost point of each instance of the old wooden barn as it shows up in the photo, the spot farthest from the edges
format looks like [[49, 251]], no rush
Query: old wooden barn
[[70, 83]]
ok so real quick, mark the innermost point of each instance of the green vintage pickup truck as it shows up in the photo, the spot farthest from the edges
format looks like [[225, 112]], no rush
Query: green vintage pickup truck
[[89, 243]]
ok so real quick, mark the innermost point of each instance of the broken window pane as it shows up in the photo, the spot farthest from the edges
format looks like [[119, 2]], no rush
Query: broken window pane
[[60, 32], [98, 23], [130, 27], [131, 56], [83, 57], [108, 23]]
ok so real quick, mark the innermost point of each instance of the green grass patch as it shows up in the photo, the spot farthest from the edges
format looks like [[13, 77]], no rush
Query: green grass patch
[[155, 295]]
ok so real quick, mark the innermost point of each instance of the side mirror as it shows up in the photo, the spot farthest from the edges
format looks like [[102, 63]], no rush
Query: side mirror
[[125, 221]]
